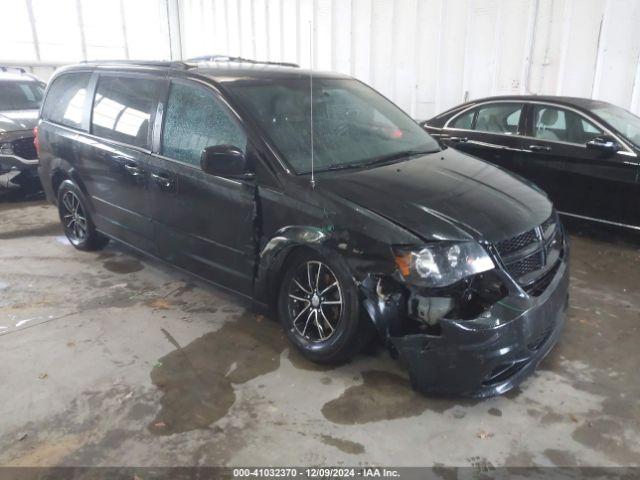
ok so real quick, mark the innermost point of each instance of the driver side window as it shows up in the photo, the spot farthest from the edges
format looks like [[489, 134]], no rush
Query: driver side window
[[559, 125], [195, 119]]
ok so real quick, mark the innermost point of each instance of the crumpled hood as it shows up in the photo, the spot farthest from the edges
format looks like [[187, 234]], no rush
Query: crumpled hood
[[11, 120], [443, 194]]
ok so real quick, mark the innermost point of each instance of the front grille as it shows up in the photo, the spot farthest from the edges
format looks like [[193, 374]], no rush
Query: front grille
[[536, 288], [24, 148], [511, 245], [526, 265], [525, 254]]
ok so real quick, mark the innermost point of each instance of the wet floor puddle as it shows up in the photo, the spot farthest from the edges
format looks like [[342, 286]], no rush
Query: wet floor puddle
[[197, 380], [123, 265], [383, 396]]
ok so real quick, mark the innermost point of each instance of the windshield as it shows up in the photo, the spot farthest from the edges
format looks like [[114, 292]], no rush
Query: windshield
[[20, 95], [352, 124], [623, 121]]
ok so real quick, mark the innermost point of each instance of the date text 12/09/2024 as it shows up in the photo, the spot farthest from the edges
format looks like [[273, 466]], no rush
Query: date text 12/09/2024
[[368, 472]]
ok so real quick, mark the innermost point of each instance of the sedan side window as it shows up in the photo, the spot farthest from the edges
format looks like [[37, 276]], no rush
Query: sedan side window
[[464, 121], [194, 120], [560, 125], [499, 118]]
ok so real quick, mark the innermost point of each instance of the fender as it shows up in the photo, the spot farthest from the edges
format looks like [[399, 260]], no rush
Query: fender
[[272, 256], [59, 166]]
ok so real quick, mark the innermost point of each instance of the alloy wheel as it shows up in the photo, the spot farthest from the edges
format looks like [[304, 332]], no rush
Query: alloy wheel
[[74, 217], [315, 301]]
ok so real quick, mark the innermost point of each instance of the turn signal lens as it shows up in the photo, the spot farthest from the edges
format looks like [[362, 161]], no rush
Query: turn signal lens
[[36, 142], [403, 261]]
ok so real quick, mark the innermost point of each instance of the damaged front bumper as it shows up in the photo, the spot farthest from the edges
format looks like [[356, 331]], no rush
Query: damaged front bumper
[[484, 356]]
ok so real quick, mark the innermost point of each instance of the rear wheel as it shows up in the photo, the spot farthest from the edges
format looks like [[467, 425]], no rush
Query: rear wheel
[[75, 218], [319, 310]]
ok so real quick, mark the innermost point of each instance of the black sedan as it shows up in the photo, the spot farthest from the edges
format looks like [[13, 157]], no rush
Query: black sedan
[[583, 153]]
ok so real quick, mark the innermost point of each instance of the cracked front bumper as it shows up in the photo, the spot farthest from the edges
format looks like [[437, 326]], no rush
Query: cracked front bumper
[[489, 355]]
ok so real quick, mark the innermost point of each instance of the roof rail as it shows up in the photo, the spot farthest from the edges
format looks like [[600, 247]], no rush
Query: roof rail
[[141, 63], [228, 58], [5, 68]]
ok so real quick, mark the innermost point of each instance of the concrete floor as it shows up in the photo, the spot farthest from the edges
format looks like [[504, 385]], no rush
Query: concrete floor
[[111, 359]]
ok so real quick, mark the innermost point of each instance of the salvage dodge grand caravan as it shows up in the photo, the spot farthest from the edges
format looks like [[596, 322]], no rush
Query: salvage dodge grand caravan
[[458, 266]]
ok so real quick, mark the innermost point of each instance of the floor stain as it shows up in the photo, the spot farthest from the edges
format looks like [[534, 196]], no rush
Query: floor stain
[[561, 458], [46, 453], [197, 380], [606, 436], [46, 230], [383, 396], [495, 412], [302, 363], [123, 265], [346, 446]]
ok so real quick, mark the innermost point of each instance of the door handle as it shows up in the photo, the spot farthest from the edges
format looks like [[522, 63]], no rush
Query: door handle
[[458, 139], [133, 169], [162, 180], [539, 148]]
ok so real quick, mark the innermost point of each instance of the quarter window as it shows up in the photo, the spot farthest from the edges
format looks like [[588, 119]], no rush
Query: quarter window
[[65, 100], [499, 118], [123, 107], [560, 125], [195, 120], [464, 121]]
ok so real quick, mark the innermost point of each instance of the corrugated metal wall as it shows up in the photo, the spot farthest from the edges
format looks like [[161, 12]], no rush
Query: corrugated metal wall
[[428, 55]]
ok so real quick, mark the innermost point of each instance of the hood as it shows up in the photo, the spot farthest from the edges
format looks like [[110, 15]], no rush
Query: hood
[[11, 120], [424, 194]]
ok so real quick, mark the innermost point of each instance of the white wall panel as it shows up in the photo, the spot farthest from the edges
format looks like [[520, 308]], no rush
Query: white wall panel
[[427, 55], [618, 54]]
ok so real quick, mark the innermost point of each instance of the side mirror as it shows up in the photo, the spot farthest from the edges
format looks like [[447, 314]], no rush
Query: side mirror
[[604, 144], [224, 161]]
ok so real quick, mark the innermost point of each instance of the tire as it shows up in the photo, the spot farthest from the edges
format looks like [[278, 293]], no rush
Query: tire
[[341, 333], [76, 220]]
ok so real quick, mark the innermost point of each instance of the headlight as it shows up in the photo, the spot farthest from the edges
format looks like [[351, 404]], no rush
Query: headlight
[[6, 148], [442, 264]]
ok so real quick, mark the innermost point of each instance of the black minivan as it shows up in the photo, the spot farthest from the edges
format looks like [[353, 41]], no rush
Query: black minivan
[[321, 201]]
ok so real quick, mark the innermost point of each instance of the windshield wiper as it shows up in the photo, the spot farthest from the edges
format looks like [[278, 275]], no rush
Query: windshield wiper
[[397, 156], [376, 160]]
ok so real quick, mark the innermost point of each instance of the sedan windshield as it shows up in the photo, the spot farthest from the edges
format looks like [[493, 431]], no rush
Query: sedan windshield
[[623, 121], [20, 95], [352, 124]]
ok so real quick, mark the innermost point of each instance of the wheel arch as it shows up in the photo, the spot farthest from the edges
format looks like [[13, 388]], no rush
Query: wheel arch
[[62, 170], [278, 250]]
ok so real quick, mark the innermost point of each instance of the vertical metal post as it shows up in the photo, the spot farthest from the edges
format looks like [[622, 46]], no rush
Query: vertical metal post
[[123, 20], [83, 42], [175, 30], [34, 31]]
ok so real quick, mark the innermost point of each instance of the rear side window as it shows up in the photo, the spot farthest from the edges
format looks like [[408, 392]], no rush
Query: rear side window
[[195, 120], [499, 118], [65, 99], [464, 121], [123, 107]]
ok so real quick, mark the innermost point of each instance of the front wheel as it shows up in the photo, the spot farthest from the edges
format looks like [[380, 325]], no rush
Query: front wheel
[[75, 218], [319, 309]]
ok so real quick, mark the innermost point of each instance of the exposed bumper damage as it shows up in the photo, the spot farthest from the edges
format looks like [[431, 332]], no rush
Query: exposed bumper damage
[[18, 160], [482, 356]]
